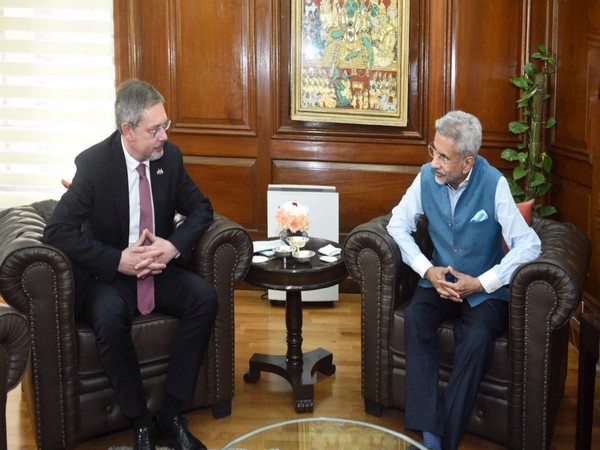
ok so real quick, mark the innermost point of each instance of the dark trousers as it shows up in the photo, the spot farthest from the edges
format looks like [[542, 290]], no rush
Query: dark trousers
[[475, 329], [109, 309]]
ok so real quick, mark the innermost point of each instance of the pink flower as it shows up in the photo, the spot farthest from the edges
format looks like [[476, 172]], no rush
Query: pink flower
[[293, 216]]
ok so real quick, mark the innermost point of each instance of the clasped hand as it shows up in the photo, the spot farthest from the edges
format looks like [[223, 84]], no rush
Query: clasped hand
[[142, 260], [463, 286]]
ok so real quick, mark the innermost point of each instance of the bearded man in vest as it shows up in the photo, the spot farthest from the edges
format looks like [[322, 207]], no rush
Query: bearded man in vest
[[470, 211]]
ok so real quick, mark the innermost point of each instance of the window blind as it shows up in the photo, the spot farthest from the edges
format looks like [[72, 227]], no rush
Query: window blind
[[57, 92]]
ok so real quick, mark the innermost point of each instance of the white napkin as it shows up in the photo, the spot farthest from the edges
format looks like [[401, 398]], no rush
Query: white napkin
[[330, 250], [257, 259]]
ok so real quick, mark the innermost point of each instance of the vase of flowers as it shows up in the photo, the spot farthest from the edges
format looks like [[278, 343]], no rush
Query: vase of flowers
[[292, 219]]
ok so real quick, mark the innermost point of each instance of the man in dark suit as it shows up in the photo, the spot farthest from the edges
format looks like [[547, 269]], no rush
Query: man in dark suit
[[97, 223]]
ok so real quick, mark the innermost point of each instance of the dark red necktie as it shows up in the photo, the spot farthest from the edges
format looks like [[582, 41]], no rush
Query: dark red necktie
[[145, 286]]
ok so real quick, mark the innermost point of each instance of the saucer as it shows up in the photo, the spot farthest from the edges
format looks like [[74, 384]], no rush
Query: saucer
[[329, 259]]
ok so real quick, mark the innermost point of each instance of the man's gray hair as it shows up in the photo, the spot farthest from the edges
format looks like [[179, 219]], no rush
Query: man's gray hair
[[133, 98], [463, 129]]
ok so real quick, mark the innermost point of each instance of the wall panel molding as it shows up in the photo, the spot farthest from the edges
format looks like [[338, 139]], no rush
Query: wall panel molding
[[185, 49], [593, 140], [229, 183], [215, 92], [476, 81]]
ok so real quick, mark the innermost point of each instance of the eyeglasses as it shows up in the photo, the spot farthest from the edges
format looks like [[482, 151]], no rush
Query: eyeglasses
[[154, 131], [435, 154]]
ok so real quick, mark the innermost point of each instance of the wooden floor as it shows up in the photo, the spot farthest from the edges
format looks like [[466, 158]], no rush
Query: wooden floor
[[260, 327]]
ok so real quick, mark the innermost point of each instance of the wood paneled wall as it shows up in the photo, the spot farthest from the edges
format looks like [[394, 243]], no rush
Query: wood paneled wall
[[224, 69], [574, 30]]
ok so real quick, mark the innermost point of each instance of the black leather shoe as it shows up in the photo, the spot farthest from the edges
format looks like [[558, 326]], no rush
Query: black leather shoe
[[145, 439], [176, 435]]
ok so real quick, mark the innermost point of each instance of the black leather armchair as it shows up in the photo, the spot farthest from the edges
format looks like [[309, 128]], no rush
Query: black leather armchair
[[68, 396], [520, 395]]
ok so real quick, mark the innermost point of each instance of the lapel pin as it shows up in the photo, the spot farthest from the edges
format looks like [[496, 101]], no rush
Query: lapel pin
[[159, 171]]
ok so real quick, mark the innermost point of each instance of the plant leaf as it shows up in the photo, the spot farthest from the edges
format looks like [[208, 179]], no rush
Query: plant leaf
[[522, 157], [543, 189], [508, 154], [527, 95], [537, 179], [546, 211], [518, 127], [546, 163], [515, 189], [550, 122], [520, 82], [519, 172], [530, 68]]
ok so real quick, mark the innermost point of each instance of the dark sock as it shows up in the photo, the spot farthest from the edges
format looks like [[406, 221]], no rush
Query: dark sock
[[171, 407], [143, 421], [432, 441]]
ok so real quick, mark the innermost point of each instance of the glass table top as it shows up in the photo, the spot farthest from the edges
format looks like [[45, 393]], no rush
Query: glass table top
[[324, 433]]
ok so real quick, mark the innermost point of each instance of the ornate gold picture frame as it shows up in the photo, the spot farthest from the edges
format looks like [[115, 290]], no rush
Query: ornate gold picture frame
[[350, 61]]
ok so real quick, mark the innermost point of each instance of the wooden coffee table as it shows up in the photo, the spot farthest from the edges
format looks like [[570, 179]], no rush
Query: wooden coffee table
[[288, 275]]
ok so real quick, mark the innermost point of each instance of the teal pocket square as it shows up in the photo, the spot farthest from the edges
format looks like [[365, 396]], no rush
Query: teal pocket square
[[479, 216]]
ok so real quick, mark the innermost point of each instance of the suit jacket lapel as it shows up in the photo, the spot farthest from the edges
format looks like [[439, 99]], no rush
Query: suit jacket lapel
[[117, 171], [159, 175]]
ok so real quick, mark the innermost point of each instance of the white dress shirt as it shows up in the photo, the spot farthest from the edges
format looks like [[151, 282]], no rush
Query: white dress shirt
[[133, 179]]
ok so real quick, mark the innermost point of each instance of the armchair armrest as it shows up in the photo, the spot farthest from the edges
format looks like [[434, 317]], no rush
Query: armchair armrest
[[14, 342], [544, 295], [563, 265], [222, 256], [374, 261], [225, 244]]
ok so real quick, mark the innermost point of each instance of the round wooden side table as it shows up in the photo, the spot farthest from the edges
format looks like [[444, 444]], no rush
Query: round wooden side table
[[288, 275]]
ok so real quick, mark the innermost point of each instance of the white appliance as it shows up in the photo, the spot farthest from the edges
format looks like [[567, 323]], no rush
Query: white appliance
[[323, 205]]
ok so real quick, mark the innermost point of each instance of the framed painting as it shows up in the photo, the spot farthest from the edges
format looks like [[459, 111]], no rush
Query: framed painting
[[350, 61]]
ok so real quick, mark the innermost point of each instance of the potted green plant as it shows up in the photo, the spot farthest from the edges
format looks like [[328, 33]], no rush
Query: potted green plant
[[530, 178]]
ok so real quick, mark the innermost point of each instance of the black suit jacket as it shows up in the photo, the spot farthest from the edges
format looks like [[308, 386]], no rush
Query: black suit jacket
[[91, 221]]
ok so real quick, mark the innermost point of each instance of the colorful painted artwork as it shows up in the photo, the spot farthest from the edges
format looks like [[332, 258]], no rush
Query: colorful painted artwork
[[350, 61]]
